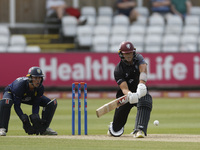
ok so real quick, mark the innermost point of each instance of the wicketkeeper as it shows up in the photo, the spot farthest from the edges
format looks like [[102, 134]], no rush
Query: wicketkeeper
[[131, 76], [28, 90]]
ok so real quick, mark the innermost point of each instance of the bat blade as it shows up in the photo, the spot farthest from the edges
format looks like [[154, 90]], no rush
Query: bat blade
[[111, 106]]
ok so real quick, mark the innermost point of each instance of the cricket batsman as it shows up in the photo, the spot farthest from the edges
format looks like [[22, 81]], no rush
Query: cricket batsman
[[28, 90], [131, 77]]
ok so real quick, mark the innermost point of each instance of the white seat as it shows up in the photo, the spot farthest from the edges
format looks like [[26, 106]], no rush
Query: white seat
[[170, 48], [115, 42], [137, 30], [174, 20], [104, 20], [113, 48], [84, 35], [3, 48], [141, 20], [69, 26], [142, 11], [192, 20], [153, 43], [121, 20], [155, 30], [170, 43], [156, 19], [100, 43], [91, 20], [195, 10], [189, 29], [173, 29], [152, 48], [18, 40], [32, 49], [102, 30], [4, 30], [138, 41], [16, 49], [188, 43], [88, 11], [105, 11], [4, 40], [198, 43], [119, 30]]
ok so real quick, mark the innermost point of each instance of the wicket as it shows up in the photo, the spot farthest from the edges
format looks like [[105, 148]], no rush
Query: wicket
[[79, 107]]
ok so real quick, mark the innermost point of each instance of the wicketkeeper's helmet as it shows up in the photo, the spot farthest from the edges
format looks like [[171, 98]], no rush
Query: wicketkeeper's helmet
[[35, 72]]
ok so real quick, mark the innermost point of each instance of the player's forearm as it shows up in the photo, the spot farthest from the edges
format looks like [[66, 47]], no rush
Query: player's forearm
[[126, 5], [143, 73], [124, 88], [18, 110], [158, 4]]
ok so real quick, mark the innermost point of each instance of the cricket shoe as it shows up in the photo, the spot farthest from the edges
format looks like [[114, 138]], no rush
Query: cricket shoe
[[138, 134], [2, 132], [49, 131]]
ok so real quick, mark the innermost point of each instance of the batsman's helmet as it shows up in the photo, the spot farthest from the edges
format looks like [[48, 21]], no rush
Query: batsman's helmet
[[126, 47], [35, 72]]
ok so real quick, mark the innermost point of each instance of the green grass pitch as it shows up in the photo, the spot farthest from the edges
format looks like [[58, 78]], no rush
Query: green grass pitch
[[176, 116]]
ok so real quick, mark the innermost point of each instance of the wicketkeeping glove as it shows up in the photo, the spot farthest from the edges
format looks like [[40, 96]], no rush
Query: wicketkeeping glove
[[26, 124], [36, 121]]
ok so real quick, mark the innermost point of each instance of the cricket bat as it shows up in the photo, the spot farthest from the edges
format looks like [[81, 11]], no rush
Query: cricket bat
[[111, 105]]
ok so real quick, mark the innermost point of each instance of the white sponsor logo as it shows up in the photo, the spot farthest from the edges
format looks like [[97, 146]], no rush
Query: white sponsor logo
[[99, 70]]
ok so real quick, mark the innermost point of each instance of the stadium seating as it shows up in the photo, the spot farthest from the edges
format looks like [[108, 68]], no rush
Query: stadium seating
[[18, 40], [119, 30], [104, 20], [100, 43], [188, 43], [153, 43], [115, 41], [137, 40], [136, 30], [157, 20], [32, 49], [105, 11], [69, 26], [121, 20], [170, 43], [84, 36]]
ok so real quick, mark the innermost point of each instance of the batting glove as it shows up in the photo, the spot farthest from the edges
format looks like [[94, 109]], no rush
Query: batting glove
[[132, 97], [141, 90]]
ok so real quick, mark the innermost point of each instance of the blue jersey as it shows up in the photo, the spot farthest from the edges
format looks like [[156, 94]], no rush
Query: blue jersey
[[20, 93]]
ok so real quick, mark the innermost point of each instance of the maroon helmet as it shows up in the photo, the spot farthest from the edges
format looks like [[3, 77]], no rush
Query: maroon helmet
[[126, 47]]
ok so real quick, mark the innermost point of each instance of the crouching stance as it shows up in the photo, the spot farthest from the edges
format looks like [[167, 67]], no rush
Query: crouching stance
[[28, 90], [131, 76]]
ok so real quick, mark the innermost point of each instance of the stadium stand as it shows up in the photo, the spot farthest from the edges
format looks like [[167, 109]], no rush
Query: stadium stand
[[105, 11], [138, 41], [170, 43], [149, 33], [100, 43], [121, 20], [84, 36], [32, 49], [104, 20], [69, 26], [188, 43], [115, 40], [137, 30], [153, 43]]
